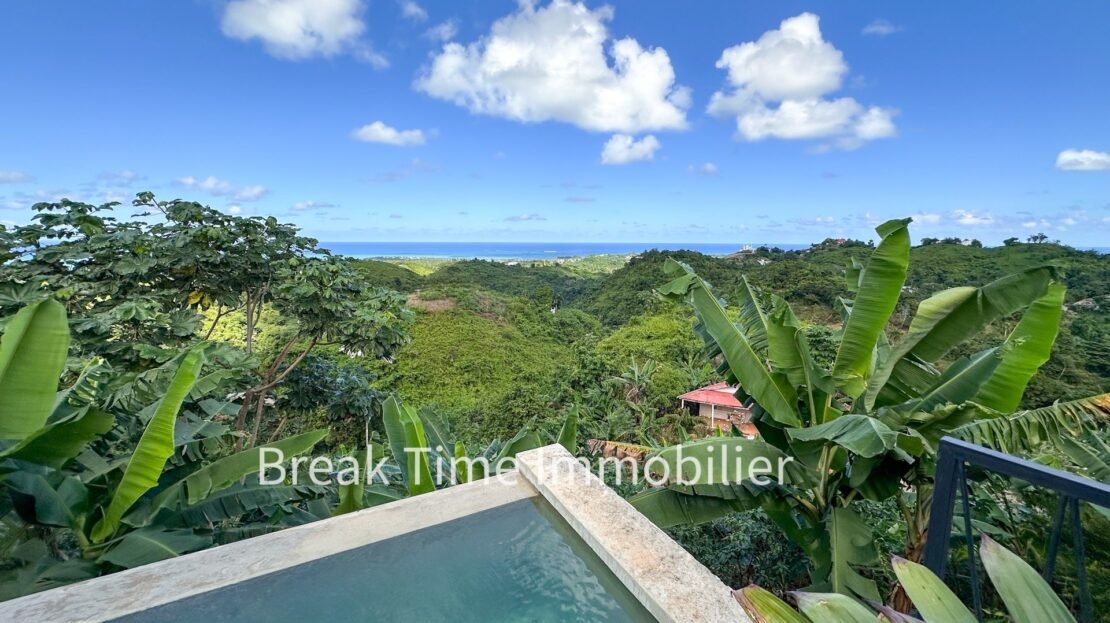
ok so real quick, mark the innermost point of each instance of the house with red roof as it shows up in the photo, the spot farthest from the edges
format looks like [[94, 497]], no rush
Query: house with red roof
[[718, 407]]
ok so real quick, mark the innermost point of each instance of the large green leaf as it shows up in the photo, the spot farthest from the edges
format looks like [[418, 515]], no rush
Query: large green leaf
[[935, 601], [1025, 351], [32, 355], [763, 607], [568, 434], [944, 321], [742, 361], [850, 543], [1025, 430], [724, 461], [230, 469], [55, 444], [667, 508], [860, 434], [143, 547], [753, 320], [437, 431], [880, 285], [960, 382], [833, 608], [409, 445], [1028, 598], [232, 503], [50, 500], [155, 447], [788, 352]]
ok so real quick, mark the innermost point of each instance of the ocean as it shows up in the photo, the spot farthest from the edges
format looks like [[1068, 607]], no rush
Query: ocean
[[527, 250]]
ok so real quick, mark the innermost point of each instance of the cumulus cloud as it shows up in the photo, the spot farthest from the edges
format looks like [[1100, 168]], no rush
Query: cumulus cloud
[[557, 63], [519, 218], [778, 88], [379, 132], [1083, 160], [881, 28], [15, 177], [413, 11], [623, 149], [964, 217], [707, 168], [926, 218], [301, 29], [222, 188], [444, 31]]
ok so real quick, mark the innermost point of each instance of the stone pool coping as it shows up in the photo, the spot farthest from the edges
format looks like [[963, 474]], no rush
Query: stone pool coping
[[664, 577], [668, 581]]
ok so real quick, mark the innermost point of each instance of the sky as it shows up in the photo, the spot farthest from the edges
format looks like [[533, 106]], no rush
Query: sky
[[638, 121]]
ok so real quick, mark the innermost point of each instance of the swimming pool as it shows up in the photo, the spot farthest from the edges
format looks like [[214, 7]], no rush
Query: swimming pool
[[548, 541], [516, 562]]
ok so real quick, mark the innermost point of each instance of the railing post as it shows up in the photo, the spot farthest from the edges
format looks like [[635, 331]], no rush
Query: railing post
[[940, 517]]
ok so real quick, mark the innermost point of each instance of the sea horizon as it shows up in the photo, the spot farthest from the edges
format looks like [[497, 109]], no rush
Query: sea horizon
[[545, 250], [529, 250]]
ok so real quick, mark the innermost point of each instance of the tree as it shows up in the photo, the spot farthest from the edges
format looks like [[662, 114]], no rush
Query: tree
[[1037, 238], [136, 289], [1009, 242], [868, 426]]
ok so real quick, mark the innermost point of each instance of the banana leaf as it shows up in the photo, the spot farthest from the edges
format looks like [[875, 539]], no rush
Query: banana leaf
[[832, 608], [931, 597], [143, 547], [48, 500], [880, 285], [944, 321], [667, 508], [568, 434], [1025, 351], [743, 362], [55, 444], [960, 382], [851, 543], [1028, 598], [860, 434], [763, 607], [155, 447], [405, 431], [32, 355]]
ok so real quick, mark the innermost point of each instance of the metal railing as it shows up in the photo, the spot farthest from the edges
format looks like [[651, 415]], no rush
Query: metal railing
[[951, 477]]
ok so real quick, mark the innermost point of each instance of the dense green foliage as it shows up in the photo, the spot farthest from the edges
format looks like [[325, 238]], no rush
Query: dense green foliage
[[484, 358]]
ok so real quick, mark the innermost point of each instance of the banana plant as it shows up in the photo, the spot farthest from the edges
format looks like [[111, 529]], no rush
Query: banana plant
[[1025, 594], [149, 502], [425, 455], [868, 426]]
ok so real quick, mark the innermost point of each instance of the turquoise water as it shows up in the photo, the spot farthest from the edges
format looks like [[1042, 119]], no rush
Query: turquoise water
[[515, 563]]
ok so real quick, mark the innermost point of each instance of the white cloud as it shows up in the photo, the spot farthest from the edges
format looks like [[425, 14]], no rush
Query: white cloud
[[223, 188], [549, 63], [881, 28], [963, 217], [301, 29], [1083, 160], [519, 218], [413, 11], [312, 205], [707, 168], [444, 31], [379, 132], [622, 149], [926, 218], [235, 210], [15, 177], [795, 67]]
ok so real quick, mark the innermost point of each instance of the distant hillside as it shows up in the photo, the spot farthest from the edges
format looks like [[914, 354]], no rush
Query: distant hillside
[[387, 275], [548, 283]]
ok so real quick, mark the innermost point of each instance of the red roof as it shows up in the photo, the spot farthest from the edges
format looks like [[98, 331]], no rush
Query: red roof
[[720, 394]]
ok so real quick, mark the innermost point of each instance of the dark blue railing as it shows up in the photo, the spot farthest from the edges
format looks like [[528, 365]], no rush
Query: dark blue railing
[[951, 477]]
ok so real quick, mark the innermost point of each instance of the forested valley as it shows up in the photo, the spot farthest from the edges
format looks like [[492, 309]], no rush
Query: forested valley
[[286, 344]]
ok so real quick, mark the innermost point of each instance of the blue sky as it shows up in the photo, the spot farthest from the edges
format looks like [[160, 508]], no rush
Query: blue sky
[[556, 121]]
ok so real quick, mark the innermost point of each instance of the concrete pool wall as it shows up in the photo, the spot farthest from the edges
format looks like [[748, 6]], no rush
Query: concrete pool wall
[[666, 579]]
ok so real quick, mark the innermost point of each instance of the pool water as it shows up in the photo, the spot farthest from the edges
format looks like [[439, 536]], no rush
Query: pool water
[[517, 562]]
